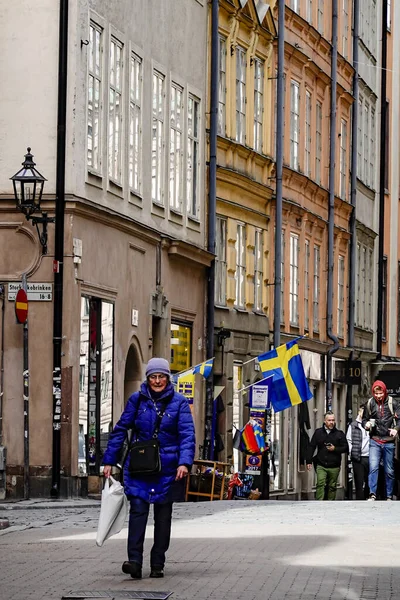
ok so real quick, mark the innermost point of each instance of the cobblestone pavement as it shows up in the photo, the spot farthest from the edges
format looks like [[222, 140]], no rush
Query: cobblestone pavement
[[220, 550]]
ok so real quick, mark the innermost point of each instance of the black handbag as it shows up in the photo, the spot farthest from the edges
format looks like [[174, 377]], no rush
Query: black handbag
[[144, 456]]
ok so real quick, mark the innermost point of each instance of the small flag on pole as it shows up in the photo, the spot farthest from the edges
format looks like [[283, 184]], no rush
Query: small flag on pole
[[204, 368], [289, 385]]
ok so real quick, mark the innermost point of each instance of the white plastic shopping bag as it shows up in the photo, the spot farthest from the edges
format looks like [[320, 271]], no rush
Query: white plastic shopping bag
[[113, 510]]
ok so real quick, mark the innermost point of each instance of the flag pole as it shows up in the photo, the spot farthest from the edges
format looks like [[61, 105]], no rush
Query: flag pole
[[194, 366], [300, 337], [251, 385]]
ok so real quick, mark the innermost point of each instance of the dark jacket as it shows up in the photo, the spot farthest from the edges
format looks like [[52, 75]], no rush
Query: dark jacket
[[327, 458], [384, 420], [176, 436]]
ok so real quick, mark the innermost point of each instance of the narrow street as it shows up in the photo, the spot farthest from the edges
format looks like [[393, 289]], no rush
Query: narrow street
[[220, 551]]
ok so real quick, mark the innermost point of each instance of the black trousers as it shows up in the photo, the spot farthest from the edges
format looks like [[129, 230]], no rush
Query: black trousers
[[361, 470], [138, 516]]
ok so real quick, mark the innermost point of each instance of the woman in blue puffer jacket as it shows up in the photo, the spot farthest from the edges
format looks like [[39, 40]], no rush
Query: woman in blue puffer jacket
[[156, 398]]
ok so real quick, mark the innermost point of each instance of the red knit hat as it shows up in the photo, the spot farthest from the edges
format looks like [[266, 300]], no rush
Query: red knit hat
[[380, 384]]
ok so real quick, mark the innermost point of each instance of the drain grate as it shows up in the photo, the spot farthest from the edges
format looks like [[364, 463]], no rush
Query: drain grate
[[117, 595]]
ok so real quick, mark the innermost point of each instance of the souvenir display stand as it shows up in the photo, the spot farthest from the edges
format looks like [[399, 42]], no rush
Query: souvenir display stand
[[208, 479]]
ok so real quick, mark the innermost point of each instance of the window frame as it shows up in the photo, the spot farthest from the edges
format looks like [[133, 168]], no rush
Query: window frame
[[158, 139], [92, 74], [193, 150], [240, 271], [241, 98], [135, 119], [176, 141], [116, 87]]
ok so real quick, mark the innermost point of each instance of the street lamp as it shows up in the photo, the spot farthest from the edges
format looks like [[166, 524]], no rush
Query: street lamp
[[28, 189]]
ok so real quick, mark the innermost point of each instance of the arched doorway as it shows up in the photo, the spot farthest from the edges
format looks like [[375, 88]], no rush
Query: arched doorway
[[133, 372]]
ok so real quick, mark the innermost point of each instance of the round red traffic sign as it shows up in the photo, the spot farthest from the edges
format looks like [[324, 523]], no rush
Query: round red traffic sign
[[21, 306]]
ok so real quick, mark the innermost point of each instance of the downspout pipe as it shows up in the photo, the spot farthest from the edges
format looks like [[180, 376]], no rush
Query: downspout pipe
[[280, 108], [353, 179], [59, 245], [382, 182], [331, 209], [208, 446], [352, 223]]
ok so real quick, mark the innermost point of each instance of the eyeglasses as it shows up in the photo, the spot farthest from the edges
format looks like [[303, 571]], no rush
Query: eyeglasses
[[157, 376]]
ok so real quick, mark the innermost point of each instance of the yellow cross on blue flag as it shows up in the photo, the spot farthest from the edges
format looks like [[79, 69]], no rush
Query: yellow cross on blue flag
[[289, 384], [205, 368]]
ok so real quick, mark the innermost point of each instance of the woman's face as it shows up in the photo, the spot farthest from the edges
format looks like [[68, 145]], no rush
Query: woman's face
[[158, 382]]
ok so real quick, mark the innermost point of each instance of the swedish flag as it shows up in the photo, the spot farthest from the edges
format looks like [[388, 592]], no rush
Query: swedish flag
[[289, 385], [205, 368]]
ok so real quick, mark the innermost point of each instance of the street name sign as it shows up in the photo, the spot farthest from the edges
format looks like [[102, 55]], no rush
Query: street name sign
[[37, 292]]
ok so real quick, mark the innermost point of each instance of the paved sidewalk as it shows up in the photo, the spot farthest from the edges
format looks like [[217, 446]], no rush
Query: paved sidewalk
[[220, 550]]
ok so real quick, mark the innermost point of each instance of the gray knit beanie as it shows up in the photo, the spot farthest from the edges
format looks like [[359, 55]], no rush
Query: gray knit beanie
[[158, 365]]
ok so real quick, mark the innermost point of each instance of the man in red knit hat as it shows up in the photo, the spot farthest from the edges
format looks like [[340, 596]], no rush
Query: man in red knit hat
[[382, 419]]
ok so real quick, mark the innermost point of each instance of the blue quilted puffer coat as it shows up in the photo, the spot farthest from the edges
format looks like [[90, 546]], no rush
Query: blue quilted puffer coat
[[176, 436]]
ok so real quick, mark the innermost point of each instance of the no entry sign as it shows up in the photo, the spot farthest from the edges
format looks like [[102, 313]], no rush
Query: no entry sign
[[21, 306]]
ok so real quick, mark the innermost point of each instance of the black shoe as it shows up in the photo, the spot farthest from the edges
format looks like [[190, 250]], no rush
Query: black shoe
[[133, 569], [157, 572]]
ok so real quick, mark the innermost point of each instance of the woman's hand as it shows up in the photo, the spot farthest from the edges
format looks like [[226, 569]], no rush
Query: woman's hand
[[107, 471], [181, 472]]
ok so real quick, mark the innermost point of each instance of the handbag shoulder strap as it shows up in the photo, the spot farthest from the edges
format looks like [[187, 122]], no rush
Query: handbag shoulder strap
[[160, 414]]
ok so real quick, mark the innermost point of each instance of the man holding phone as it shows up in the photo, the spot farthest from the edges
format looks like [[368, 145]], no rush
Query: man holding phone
[[330, 443]]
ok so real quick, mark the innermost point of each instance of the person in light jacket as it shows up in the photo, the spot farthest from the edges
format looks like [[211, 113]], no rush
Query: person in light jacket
[[358, 440], [156, 398]]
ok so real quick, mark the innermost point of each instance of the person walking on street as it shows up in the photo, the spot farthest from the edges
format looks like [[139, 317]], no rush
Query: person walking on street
[[358, 440], [155, 406], [330, 443], [380, 418]]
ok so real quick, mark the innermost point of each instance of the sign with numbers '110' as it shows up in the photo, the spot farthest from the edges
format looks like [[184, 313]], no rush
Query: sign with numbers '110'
[[37, 292]]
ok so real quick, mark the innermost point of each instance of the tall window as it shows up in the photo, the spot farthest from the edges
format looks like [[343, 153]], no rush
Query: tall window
[[345, 28], [94, 97], [283, 246], [360, 143], [307, 285], [389, 14], [258, 270], [294, 280], [115, 112], [240, 273], [372, 152], [157, 142], [316, 288], [318, 142], [343, 160], [221, 85], [295, 4], [258, 104], [135, 124], [307, 159], [320, 17], [176, 148], [220, 263], [240, 95], [294, 124], [193, 156], [340, 309], [384, 298], [309, 11], [366, 143]]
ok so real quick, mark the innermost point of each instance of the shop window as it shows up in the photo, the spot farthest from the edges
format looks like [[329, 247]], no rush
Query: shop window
[[181, 344], [95, 382]]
